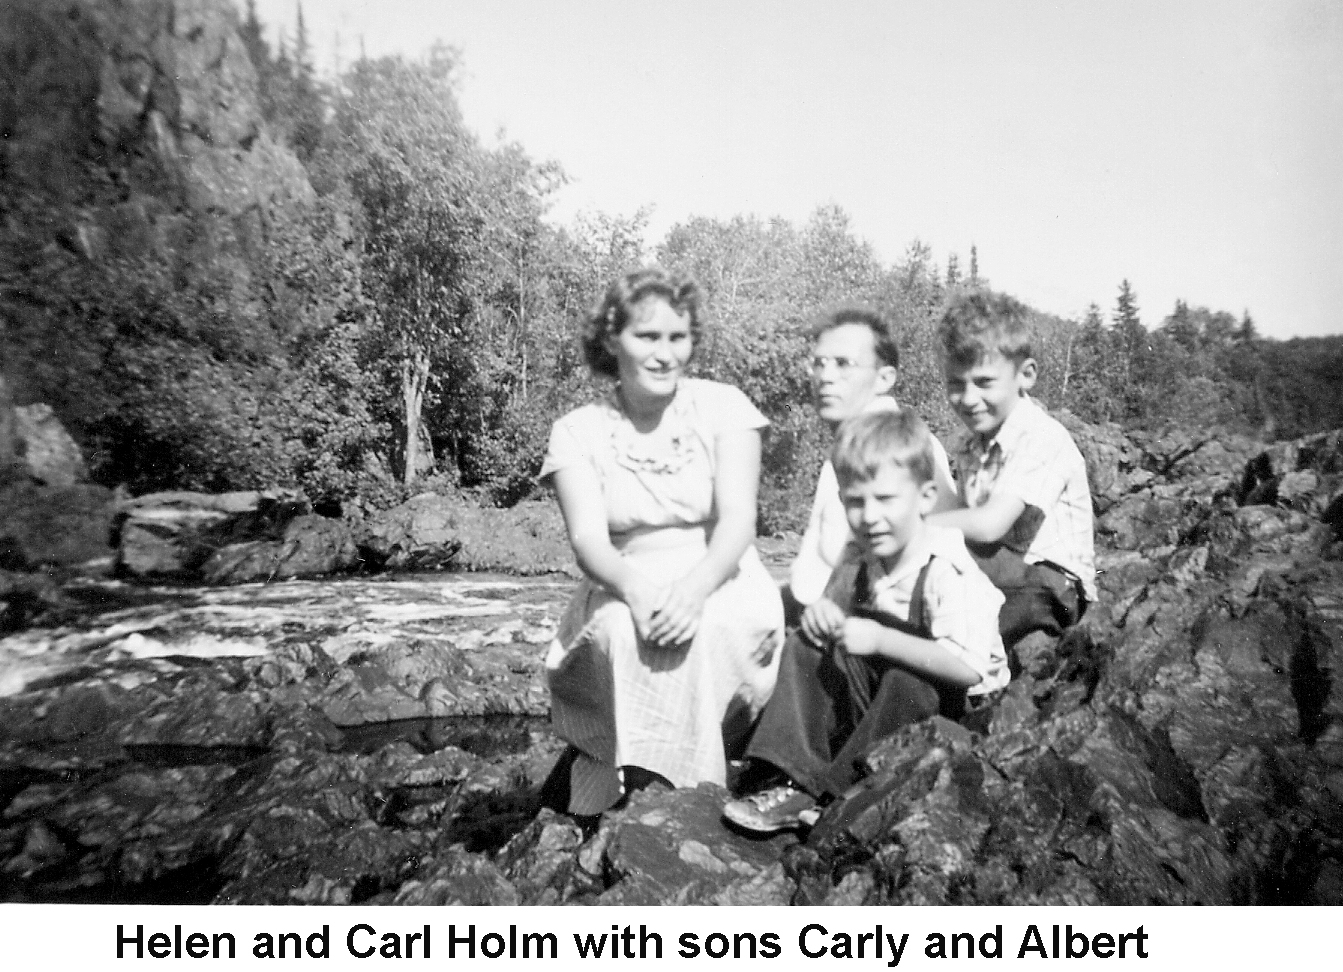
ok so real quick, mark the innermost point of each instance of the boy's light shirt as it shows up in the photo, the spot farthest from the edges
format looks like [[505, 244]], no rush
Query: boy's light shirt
[[961, 602], [1033, 457], [827, 532]]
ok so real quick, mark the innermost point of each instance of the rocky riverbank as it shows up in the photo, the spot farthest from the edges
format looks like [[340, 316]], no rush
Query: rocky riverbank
[[169, 730], [384, 739]]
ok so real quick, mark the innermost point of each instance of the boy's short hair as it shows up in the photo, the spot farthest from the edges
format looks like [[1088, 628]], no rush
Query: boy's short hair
[[872, 440], [883, 342], [978, 324]]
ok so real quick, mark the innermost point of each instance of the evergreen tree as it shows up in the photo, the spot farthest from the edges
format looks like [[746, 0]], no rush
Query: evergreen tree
[[307, 103], [1126, 309], [1181, 328], [302, 48], [918, 275], [292, 99], [974, 265], [1095, 385], [1246, 332], [272, 67], [1093, 323], [1130, 340], [254, 40], [953, 271]]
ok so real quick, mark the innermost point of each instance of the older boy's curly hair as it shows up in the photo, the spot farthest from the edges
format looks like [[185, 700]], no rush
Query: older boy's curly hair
[[978, 324], [616, 308], [869, 441]]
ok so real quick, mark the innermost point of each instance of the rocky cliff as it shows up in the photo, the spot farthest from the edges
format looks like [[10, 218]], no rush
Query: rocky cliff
[[140, 116], [171, 283]]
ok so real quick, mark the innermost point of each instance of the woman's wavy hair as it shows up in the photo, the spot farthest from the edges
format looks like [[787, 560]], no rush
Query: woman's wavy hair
[[616, 309]]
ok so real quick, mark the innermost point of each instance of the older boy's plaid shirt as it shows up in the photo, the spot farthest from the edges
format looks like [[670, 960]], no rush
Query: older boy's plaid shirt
[[1034, 458]]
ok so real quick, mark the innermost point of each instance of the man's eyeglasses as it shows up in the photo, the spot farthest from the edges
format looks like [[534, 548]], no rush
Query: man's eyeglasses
[[820, 363]]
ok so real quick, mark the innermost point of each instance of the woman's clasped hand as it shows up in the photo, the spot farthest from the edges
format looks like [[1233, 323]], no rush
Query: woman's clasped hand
[[675, 619]]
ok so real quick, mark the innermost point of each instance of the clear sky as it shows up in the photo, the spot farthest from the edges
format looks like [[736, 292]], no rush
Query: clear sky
[[1194, 147]]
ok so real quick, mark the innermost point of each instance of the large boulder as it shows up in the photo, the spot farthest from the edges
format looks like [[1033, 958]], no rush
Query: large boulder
[[1175, 482], [430, 531], [51, 456], [525, 539], [954, 818], [312, 546], [63, 526], [1114, 463], [420, 534], [1306, 474], [27, 598], [670, 847], [458, 878], [11, 461], [173, 534], [49, 514], [1158, 517]]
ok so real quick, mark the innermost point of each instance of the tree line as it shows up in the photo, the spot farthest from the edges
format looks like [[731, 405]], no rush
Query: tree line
[[414, 326]]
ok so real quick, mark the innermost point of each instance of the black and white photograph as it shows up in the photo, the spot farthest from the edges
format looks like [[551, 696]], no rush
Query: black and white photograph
[[618, 452]]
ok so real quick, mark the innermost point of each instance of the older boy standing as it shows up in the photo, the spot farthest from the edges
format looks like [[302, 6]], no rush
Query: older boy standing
[[1025, 503]]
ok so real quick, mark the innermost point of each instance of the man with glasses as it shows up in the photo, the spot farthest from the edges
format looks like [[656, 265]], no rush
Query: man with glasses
[[853, 370]]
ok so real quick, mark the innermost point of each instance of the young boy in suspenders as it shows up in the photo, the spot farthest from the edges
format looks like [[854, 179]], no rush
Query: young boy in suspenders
[[907, 629]]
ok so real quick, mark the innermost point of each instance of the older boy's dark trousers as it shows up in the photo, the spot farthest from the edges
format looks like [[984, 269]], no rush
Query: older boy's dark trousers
[[1037, 597], [829, 709]]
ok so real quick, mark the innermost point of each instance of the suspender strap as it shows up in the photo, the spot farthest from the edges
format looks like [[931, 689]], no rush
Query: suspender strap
[[918, 606], [858, 673], [919, 623]]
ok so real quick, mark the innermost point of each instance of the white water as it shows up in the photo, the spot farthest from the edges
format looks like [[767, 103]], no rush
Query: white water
[[342, 616]]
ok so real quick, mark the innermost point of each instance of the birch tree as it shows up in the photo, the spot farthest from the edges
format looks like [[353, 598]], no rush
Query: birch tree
[[420, 179]]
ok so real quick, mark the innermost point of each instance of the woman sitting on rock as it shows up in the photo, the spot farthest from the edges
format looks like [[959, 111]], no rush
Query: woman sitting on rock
[[671, 644]]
